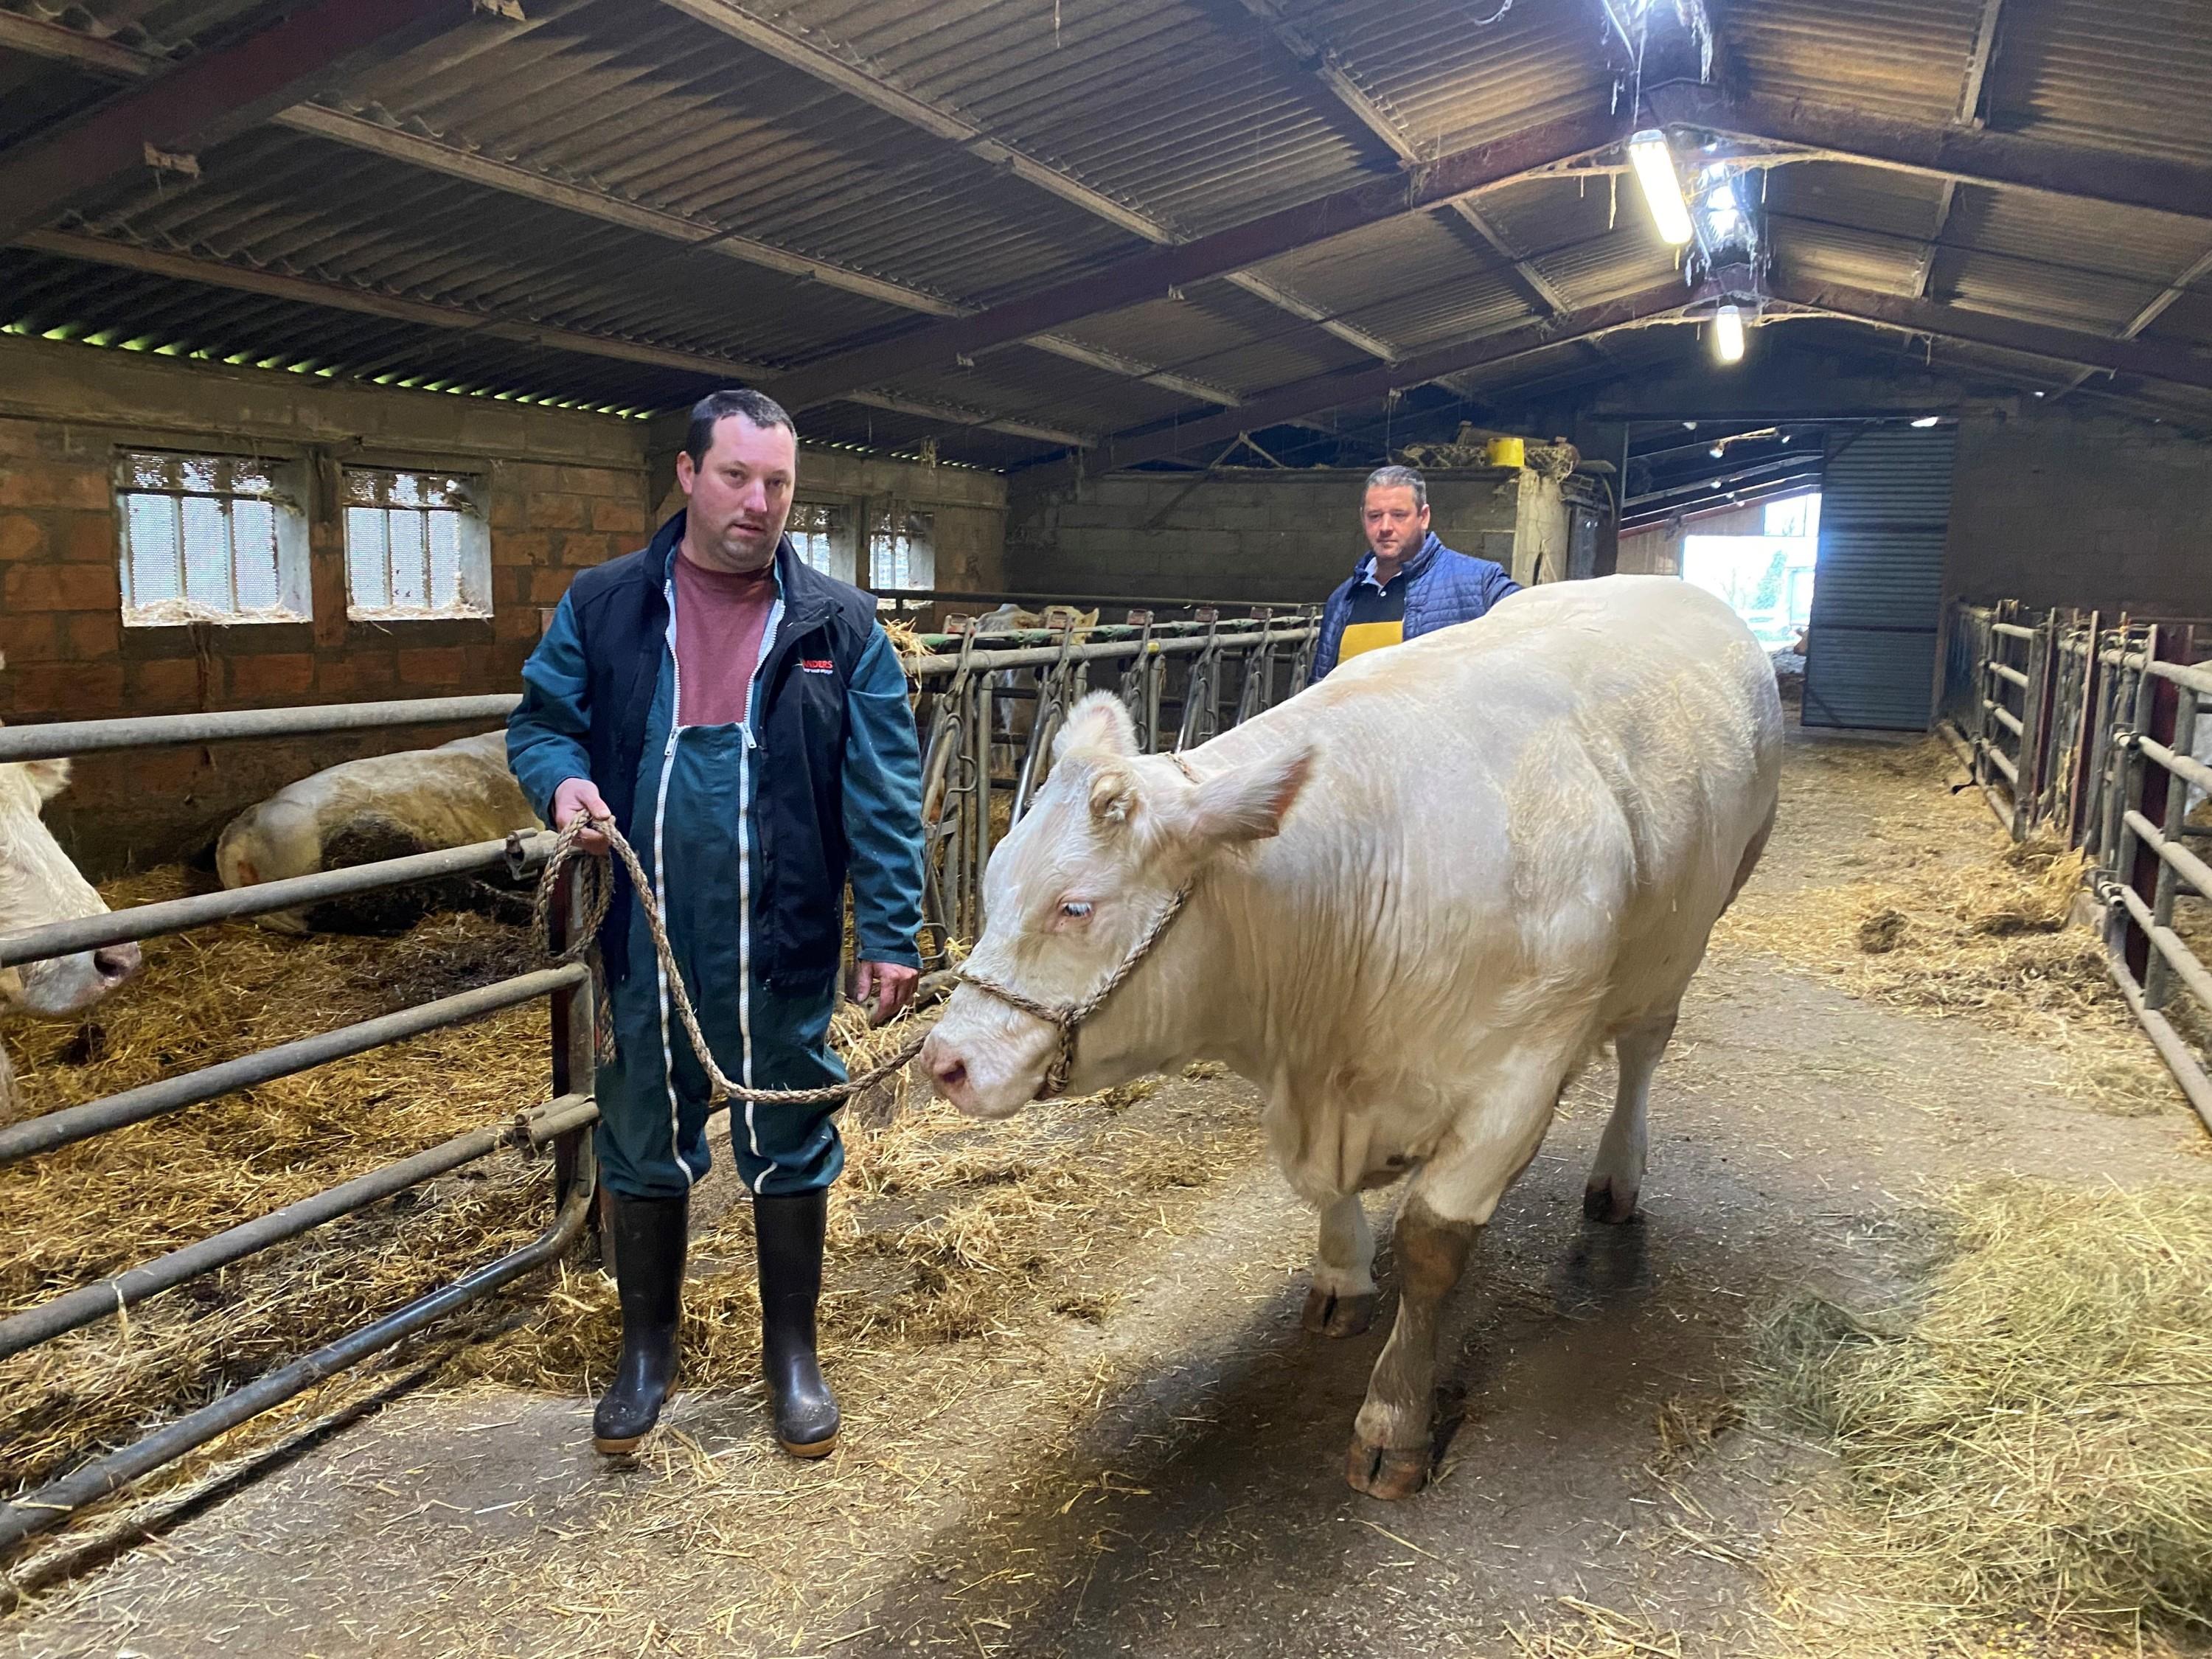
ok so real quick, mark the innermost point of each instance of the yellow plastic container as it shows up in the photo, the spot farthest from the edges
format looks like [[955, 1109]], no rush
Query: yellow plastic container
[[1508, 452]]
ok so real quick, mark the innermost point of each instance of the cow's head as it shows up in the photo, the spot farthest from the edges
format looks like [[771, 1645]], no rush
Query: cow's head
[[1071, 893], [37, 885]]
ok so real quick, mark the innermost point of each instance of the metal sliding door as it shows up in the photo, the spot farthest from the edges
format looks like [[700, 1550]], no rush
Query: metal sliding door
[[1878, 585]]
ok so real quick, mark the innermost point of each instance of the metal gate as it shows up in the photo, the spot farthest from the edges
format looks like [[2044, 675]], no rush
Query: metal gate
[[1878, 585], [2085, 727], [1212, 672]]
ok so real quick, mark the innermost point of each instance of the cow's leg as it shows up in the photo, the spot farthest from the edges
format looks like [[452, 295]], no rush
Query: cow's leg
[[1452, 1200], [1617, 1174], [1390, 1440], [1342, 1300]]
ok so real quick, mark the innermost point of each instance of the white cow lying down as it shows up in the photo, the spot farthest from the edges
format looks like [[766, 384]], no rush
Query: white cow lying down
[[1420, 893], [40, 886], [386, 806]]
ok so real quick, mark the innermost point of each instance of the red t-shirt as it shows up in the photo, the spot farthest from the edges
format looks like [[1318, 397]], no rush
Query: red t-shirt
[[720, 618]]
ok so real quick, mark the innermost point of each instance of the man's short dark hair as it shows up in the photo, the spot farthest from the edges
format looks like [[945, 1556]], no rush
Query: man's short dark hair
[[1398, 478], [753, 407]]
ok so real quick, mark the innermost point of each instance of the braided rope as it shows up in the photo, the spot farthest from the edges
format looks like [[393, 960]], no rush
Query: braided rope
[[1068, 1019], [595, 876], [595, 872]]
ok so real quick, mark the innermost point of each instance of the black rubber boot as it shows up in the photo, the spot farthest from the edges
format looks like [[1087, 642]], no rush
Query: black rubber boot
[[651, 1238], [788, 1229]]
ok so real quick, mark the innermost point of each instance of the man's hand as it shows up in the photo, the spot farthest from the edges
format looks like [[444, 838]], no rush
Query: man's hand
[[580, 797], [889, 983]]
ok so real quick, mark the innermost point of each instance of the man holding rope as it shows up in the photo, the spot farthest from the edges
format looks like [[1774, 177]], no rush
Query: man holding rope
[[743, 723]]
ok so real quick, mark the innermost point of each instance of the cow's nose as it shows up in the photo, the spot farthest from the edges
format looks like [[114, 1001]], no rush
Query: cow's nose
[[116, 962], [947, 1069]]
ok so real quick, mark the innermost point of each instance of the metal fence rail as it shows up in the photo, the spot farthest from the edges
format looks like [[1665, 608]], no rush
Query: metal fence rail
[[987, 708], [2086, 728]]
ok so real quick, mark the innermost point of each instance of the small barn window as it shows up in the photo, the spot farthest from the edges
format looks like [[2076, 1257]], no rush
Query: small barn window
[[818, 536], [900, 555], [214, 539], [417, 546]]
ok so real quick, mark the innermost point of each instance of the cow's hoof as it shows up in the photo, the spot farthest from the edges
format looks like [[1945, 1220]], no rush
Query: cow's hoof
[[1603, 1201], [1386, 1471], [1329, 1314]]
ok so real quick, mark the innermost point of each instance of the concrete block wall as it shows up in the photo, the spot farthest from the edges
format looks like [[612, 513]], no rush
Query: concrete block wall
[[1257, 536], [565, 490], [2064, 506]]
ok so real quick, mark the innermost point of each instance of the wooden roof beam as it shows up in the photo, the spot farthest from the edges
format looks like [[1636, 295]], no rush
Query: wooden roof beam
[[2170, 362], [1336, 90], [1355, 385], [212, 97], [276, 285], [443, 154], [1221, 253], [839, 67], [970, 419], [1971, 155]]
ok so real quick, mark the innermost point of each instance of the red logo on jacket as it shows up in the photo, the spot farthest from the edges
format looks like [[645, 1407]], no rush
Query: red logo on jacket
[[818, 665]]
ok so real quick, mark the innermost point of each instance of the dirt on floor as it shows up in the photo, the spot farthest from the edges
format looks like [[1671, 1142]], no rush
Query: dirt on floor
[[1082, 1418]]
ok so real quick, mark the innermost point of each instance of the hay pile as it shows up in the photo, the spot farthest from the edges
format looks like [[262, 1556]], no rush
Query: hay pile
[[92, 1209], [1947, 914], [2032, 1432]]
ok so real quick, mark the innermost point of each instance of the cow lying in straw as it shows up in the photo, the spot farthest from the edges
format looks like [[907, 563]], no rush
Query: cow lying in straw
[[387, 806], [40, 886], [1407, 903]]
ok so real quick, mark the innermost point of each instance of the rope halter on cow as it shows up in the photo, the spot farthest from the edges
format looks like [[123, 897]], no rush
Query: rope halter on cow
[[1069, 1018], [595, 879]]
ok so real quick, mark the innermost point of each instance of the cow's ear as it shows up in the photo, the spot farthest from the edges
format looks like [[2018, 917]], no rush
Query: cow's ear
[[1248, 803], [48, 777], [1113, 794], [1099, 725]]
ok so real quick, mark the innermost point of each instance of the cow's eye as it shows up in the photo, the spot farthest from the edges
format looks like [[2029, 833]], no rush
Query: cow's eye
[[1076, 909]]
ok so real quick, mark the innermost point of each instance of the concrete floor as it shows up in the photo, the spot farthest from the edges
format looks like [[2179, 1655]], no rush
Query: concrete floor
[[1167, 1482]]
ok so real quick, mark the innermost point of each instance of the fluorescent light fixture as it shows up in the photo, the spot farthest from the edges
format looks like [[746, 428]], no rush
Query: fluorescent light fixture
[[1728, 335], [1648, 153], [1925, 420]]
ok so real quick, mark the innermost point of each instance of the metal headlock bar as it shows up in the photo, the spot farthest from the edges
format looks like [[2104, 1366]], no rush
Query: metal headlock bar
[[2084, 726], [1180, 665]]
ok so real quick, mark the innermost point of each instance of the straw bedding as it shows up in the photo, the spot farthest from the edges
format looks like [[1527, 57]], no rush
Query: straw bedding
[[2032, 1429], [1947, 915], [943, 1231], [78, 1214]]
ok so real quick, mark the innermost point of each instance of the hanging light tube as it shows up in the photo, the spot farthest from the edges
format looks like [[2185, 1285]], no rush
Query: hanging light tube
[[1654, 162], [1728, 335]]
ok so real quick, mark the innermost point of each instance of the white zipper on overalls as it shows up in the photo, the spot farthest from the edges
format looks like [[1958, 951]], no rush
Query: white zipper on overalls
[[748, 743], [745, 866], [660, 875]]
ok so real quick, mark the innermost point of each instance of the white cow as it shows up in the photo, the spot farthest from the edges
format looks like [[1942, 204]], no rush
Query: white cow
[[1419, 894], [38, 885], [419, 800]]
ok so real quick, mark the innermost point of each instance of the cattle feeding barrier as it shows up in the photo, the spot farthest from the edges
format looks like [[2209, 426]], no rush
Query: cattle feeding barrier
[[2084, 726], [1182, 679]]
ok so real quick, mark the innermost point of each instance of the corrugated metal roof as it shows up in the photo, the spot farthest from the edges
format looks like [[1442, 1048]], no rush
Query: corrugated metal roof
[[1902, 57], [1450, 81], [2131, 77], [1184, 115]]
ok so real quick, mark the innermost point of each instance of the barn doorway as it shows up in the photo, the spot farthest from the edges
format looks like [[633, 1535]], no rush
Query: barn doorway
[[1761, 561]]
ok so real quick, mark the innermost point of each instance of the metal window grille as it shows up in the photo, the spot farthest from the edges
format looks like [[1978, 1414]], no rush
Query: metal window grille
[[200, 539], [410, 538], [812, 530], [900, 554]]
